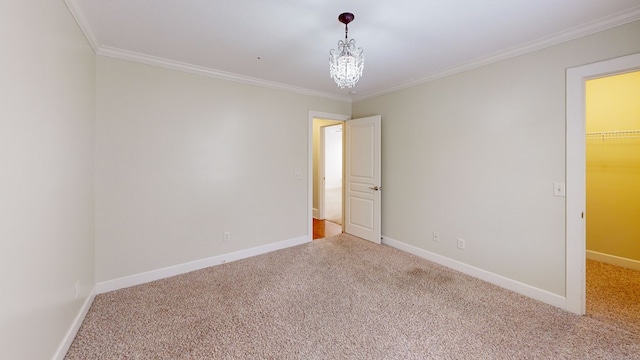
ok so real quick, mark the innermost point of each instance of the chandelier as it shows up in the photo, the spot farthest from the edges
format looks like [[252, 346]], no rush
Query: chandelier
[[346, 63]]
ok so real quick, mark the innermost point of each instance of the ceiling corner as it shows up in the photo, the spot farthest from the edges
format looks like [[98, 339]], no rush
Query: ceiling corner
[[78, 15]]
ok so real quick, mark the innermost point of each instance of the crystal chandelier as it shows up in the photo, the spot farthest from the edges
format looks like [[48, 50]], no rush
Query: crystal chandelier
[[346, 63]]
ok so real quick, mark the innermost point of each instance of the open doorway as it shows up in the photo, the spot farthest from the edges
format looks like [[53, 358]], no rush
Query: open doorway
[[613, 199], [326, 139], [576, 172], [362, 175], [327, 177]]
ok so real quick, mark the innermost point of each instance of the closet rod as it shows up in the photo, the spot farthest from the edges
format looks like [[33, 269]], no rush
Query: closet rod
[[621, 134]]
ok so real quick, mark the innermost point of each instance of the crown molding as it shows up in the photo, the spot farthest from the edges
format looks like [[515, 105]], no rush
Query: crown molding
[[77, 14], [80, 18], [574, 33], [201, 70], [571, 34]]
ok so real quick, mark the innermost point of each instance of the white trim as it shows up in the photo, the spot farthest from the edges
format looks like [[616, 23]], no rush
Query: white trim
[[63, 348], [316, 214], [499, 280], [145, 277], [219, 74], [548, 41], [576, 171], [315, 115], [77, 14], [614, 260]]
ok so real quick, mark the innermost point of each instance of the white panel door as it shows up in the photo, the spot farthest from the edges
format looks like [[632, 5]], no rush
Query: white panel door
[[362, 175]]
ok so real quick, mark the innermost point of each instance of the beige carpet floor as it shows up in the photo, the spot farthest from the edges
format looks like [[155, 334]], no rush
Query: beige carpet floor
[[338, 298], [613, 295]]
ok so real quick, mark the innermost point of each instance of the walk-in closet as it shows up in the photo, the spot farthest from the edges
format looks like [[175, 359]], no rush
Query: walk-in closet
[[613, 198]]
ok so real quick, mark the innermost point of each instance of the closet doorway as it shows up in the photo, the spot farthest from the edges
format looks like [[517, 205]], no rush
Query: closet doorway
[[612, 116], [576, 79]]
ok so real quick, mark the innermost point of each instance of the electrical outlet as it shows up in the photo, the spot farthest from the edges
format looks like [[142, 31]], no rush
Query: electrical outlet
[[77, 289], [461, 243], [226, 236], [436, 236]]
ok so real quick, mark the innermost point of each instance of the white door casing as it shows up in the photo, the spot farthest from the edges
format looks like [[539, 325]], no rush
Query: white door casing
[[363, 178]]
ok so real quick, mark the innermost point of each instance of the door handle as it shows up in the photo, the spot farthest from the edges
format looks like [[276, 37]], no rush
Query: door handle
[[376, 188]]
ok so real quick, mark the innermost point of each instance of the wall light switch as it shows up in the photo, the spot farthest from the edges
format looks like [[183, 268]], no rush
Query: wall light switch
[[558, 189]]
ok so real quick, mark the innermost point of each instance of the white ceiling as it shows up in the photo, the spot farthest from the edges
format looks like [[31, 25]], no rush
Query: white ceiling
[[286, 43]]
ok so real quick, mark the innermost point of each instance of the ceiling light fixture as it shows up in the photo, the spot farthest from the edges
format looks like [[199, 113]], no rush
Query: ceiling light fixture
[[346, 63]]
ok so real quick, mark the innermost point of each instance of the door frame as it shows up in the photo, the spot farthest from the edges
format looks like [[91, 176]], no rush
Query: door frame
[[575, 292], [315, 115]]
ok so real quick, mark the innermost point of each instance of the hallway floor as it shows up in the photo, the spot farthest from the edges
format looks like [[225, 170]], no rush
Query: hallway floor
[[333, 205], [324, 228]]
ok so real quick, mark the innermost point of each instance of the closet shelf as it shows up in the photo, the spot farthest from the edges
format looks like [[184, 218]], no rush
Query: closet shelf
[[621, 134]]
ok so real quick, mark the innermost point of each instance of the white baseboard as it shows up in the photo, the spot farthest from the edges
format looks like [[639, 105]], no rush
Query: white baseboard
[[75, 326], [145, 277], [614, 260], [504, 282], [316, 213]]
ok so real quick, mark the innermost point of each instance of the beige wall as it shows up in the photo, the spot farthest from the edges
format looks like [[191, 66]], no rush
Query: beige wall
[[182, 158], [613, 166], [475, 155], [47, 111]]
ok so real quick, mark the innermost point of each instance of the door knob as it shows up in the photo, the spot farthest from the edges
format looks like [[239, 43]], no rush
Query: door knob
[[376, 188]]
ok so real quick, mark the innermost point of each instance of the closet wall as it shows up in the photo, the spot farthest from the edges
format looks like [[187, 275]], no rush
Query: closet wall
[[613, 167]]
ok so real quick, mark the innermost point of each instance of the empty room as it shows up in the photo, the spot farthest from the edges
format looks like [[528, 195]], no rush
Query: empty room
[[159, 180]]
